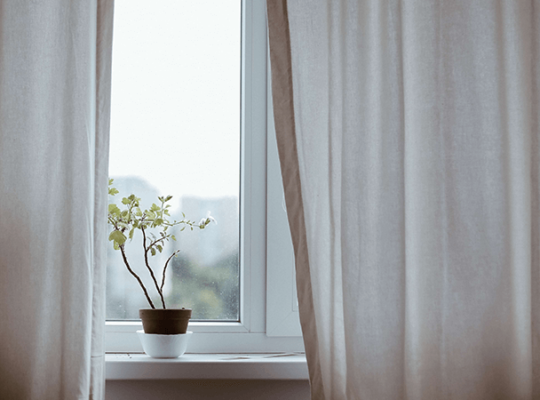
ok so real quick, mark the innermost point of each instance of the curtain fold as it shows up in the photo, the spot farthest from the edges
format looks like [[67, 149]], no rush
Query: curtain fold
[[55, 60], [409, 144]]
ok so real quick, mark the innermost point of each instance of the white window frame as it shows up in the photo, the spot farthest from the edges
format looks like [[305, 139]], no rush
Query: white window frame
[[251, 335]]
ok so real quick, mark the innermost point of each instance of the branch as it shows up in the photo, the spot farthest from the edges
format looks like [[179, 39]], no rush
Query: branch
[[156, 242], [165, 268], [150, 269], [135, 275]]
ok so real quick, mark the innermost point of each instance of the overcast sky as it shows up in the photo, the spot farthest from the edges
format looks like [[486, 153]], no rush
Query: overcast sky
[[175, 113]]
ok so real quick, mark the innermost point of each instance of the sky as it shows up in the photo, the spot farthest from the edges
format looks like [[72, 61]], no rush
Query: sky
[[175, 112]]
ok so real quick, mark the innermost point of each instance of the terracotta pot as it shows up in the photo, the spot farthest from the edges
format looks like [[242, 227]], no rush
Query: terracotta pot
[[165, 322]]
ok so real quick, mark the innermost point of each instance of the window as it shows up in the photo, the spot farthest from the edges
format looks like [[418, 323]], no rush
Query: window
[[225, 327], [175, 130]]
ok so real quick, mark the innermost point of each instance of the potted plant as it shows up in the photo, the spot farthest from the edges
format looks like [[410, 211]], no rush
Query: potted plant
[[154, 224]]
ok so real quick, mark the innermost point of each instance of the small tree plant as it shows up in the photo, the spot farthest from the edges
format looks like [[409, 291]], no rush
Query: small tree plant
[[125, 221]]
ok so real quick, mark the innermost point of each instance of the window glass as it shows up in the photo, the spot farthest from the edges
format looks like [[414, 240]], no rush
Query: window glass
[[175, 130]]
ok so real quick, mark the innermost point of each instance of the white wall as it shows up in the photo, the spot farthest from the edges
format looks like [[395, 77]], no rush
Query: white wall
[[207, 389]]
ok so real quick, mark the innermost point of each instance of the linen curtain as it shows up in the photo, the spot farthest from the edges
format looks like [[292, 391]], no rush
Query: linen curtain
[[55, 60], [409, 144]]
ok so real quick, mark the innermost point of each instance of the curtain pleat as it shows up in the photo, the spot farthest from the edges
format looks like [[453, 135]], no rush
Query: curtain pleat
[[54, 116], [409, 145]]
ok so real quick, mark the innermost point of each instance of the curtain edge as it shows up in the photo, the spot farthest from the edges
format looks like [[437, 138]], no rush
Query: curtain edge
[[283, 103], [104, 33]]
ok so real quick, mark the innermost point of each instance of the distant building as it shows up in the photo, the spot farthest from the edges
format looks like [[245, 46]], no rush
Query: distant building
[[216, 241]]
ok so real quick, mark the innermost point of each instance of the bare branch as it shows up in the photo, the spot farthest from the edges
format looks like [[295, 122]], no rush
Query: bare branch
[[150, 269], [135, 275], [165, 268]]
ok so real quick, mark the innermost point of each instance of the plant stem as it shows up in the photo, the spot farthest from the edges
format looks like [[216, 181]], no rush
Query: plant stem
[[165, 268], [150, 269], [156, 242], [135, 275]]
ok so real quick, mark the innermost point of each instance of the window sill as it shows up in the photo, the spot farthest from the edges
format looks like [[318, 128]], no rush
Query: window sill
[[275, 366]]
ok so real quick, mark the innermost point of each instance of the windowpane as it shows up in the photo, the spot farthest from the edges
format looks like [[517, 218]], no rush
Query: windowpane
[[175, 130]]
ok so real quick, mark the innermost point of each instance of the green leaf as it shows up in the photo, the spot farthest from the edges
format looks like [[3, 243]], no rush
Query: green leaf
[[125, 200], [160, 248], [153, 251], [117, 237], [113, 191], [155, 207], [131, 232], [173, 237], [116, 246]]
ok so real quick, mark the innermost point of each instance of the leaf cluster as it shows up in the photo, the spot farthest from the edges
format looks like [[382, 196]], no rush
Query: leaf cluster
[[130, 216]]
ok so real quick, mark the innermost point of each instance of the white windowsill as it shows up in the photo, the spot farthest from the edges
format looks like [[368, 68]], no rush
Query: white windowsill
[[275, 366]]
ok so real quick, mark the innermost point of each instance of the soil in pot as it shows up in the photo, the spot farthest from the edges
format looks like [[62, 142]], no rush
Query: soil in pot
[[165, 322]]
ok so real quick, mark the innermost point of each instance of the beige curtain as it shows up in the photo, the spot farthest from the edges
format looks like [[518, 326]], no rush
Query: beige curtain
[[55, 60], [409, 143]]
